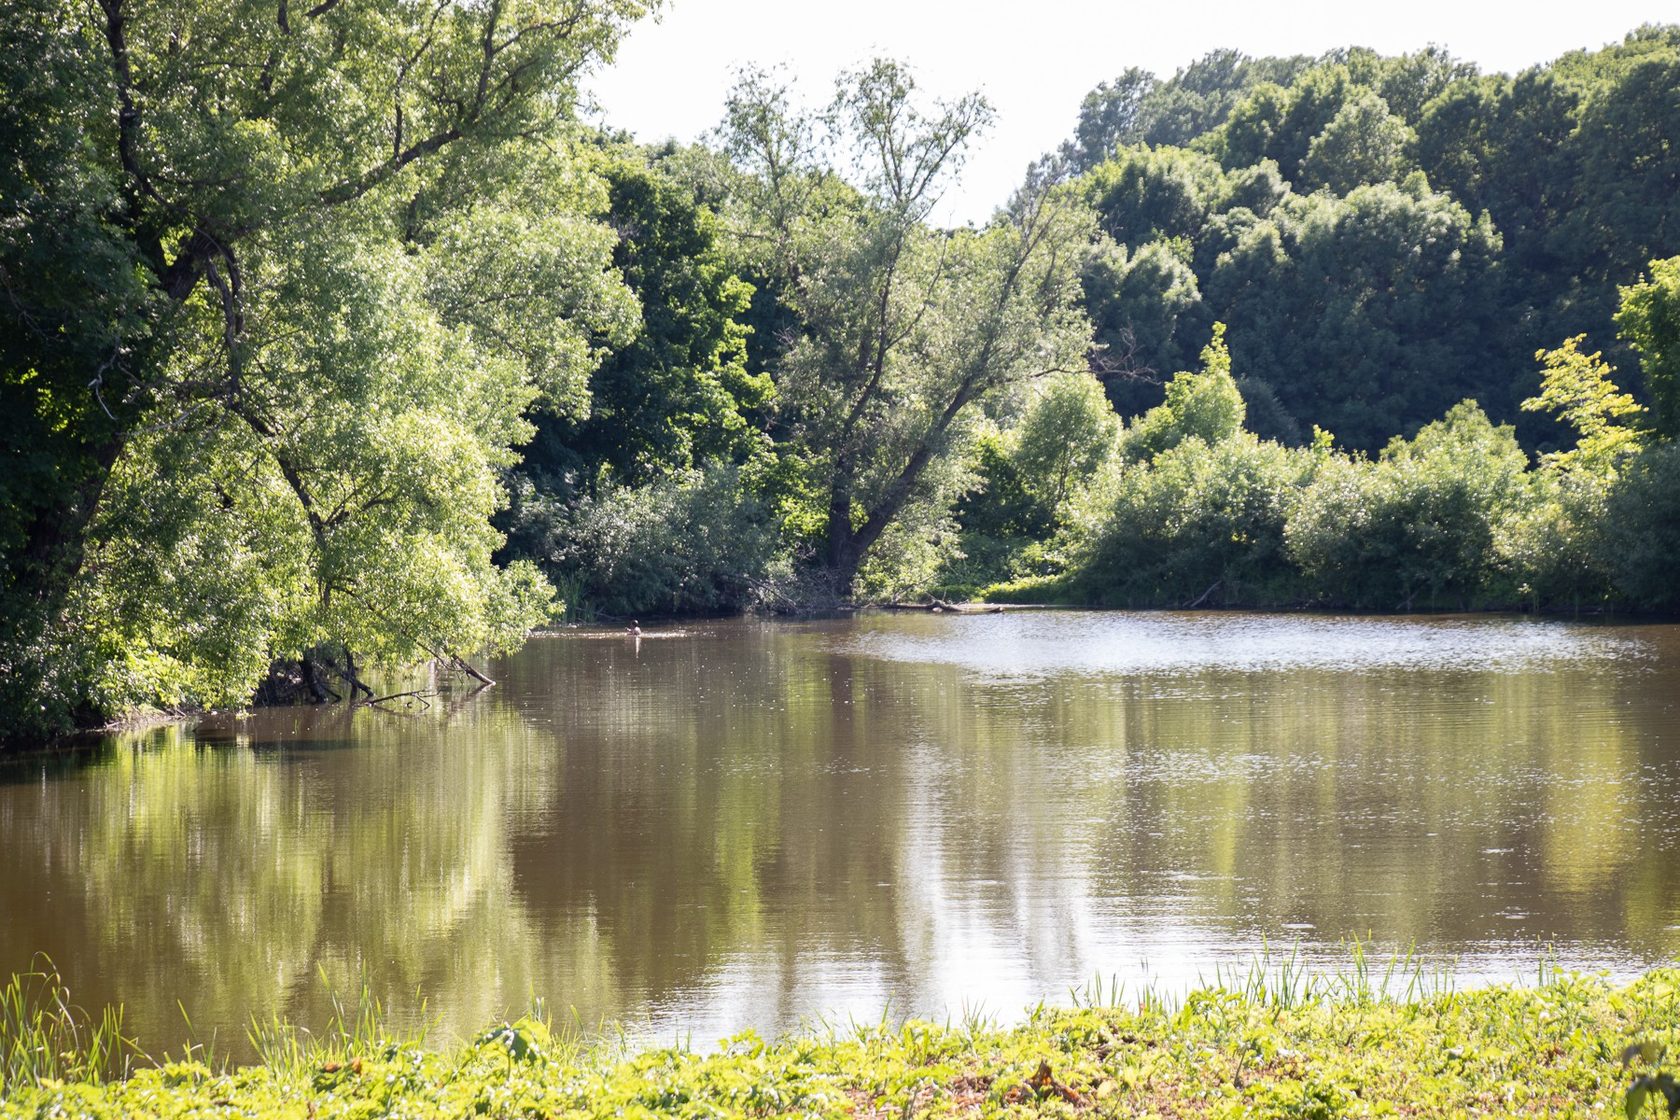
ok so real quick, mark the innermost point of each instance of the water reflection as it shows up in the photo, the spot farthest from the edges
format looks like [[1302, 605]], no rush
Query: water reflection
[[751, 824]]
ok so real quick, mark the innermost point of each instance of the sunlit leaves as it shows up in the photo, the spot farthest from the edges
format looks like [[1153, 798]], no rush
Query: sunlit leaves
[[1576, 387]]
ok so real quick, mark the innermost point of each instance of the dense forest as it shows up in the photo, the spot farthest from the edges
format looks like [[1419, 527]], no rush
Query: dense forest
[[332, 338]]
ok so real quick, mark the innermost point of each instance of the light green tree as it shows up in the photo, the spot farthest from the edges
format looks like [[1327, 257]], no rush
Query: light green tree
[[350, 254], [1206, 405], [1068, 432], [1577, 389]]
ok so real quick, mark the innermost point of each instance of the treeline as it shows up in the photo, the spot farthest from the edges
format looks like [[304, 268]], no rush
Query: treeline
[[1186, 507], [1384, 236], [1292, 200], [332, 339]]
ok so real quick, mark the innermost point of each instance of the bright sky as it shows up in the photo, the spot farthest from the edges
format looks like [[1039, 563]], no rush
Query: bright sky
[[1035, 59]]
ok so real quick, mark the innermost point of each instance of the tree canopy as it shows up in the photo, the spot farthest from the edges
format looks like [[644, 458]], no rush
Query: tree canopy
[[321, 262], [331, 338]]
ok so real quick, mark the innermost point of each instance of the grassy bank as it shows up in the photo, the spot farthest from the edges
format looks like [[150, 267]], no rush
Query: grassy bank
[[1260, 1049]]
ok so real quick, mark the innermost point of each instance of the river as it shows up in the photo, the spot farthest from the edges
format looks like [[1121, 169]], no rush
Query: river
[[744, 824]]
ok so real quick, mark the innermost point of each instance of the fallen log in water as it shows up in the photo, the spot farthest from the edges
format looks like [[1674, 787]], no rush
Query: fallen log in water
[[937, 606]]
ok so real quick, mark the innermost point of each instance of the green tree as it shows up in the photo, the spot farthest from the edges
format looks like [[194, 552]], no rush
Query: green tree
[[1628, 144], [1144, 307], [1649, 320], [1111, 115], [1068, 432], [1411, 81], [1363, 143], [1641, 529], [903, 330], [1199, 98], [1207, 406], [680, 394], [1146, 195], [1365, 314], [219, 166], [1419, 526], [677, 399], [1281, 122], [695, 541], [1576, 387], [1200, 524]]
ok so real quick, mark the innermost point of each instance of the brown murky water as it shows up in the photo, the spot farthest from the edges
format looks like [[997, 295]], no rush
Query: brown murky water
[[747, 824]]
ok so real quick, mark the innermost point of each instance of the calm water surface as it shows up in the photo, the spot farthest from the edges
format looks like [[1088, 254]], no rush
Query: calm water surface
[[749, 824]]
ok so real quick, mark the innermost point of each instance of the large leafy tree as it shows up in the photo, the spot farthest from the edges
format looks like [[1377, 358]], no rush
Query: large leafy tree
[[680, 395], [903, 331], [1365, 314], [206, 209]]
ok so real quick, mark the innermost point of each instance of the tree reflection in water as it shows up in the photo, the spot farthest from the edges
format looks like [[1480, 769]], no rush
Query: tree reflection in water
[[755, 823]]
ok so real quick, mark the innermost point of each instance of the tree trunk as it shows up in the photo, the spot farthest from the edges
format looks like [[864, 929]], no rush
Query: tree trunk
[[36, 581], [844, 551]]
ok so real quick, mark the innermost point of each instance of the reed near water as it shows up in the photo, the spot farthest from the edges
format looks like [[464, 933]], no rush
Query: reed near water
[[1276, 1040]]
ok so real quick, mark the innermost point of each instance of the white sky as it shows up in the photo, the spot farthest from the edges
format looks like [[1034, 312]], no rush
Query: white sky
[[1035, 59]]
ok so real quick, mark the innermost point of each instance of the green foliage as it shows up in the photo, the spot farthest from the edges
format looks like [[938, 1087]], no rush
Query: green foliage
[[1207, 406], [1627, 143], [321, 263], [1146, 194], [903, 332], [1031, 484], [350, 508], [694, 542], [1364, 314], [45, 1037], [1649, 319], [1472, 220], [1199, 98], [1003, 505], [1652, 1086], [1139, 303], [1420, 525], [680, 394], [1201, 523], [1641, 529], [287, 290], [1111, 115], [1576, 387], [1556, 544], [1281, 1046], [999, 520], [1068, 432], [1363, 143]]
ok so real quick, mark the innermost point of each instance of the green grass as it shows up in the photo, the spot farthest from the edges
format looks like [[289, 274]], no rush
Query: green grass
[[44, 1035], [1382, 1039]]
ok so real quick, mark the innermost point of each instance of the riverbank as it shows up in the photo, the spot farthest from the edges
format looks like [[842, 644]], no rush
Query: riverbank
[[1272, 1047]]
